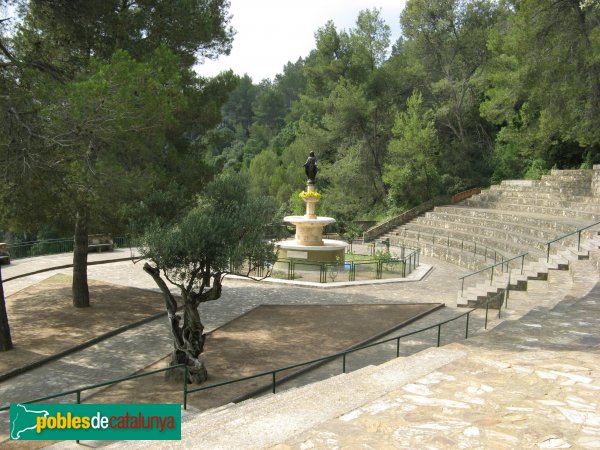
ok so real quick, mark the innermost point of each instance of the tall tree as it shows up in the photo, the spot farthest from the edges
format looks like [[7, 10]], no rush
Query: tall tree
[[5, 338], [412, 166], [92, 120], [368, 44], [237, 111], [446, 45], [545, 84]]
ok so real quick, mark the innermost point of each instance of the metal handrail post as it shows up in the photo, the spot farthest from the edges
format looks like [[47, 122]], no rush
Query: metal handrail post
[[467, 327], [548, 251], [344, 363], [578, 240], [397, 347], [185, 380], [487, 307], [274, 381], [500, 310], [439, 336], [507, 291], [78, 402], [522, 263]]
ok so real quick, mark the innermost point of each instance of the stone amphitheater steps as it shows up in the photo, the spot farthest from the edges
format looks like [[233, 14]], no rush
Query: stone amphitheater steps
[[496, 192], [507, 220], [589, 214], [510, 219], [491, 243], [494, 233], [493, 292], [266, 421], [459, 248]]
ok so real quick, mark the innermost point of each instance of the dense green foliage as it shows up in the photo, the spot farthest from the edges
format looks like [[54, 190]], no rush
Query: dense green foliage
[[473, 92], [98, 109], [225, 227]]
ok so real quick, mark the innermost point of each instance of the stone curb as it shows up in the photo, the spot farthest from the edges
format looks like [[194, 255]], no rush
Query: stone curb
[[20, 370], [66, 266]]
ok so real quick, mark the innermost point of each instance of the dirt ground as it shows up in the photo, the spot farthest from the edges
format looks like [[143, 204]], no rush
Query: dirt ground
[[44, 322], [267, 337]]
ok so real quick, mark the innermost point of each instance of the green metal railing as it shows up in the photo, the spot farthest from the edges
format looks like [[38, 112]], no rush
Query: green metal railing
[[577, 232], [491, 269], [406, 262], [39, 248], [186, 391], [434, 240], [53, 247], [78, 391]]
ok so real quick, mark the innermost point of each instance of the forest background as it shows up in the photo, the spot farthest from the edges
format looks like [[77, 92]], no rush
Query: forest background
[[105, 123]]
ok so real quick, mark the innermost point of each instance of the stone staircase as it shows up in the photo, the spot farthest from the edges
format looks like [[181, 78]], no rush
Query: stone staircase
[[530, 383], [513, 218], [264, 422]]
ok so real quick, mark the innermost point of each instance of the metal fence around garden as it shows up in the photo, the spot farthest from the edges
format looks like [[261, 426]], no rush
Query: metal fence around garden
[[364, 261], [373, 261]]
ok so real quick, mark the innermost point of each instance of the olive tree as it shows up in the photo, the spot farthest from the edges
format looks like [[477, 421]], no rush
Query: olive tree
[[227, 228]]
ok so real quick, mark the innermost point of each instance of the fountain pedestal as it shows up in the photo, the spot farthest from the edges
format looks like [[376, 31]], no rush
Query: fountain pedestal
[[308, 244]]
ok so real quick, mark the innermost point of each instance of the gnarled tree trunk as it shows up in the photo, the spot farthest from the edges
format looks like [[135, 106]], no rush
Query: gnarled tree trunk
[[189, 337], [5, 339], [81, 293]]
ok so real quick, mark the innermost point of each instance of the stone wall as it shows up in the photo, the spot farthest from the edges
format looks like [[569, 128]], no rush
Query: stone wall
[[596, 181], [405, 217]]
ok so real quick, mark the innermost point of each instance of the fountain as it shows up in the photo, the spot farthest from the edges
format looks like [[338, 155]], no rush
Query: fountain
[[308, 244]]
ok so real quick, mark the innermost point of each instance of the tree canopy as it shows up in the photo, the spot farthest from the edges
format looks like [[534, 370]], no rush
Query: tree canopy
[[474, 91], [100, 107], [227, 227], [506, 89]]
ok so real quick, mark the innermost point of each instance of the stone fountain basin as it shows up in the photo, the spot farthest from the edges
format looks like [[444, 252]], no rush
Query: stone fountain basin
[[317, 221]]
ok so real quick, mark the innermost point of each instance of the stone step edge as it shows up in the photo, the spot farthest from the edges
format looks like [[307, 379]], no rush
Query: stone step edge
[[504, 217], [471, 228], [482, 291], [481, 214], [279, 417]]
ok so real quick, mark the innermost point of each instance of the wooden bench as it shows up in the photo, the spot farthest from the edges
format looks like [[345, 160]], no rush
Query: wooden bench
[[100, 242], [100, 247]]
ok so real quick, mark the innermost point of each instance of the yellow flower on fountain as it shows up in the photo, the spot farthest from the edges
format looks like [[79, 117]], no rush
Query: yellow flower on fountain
[[310, 195]]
